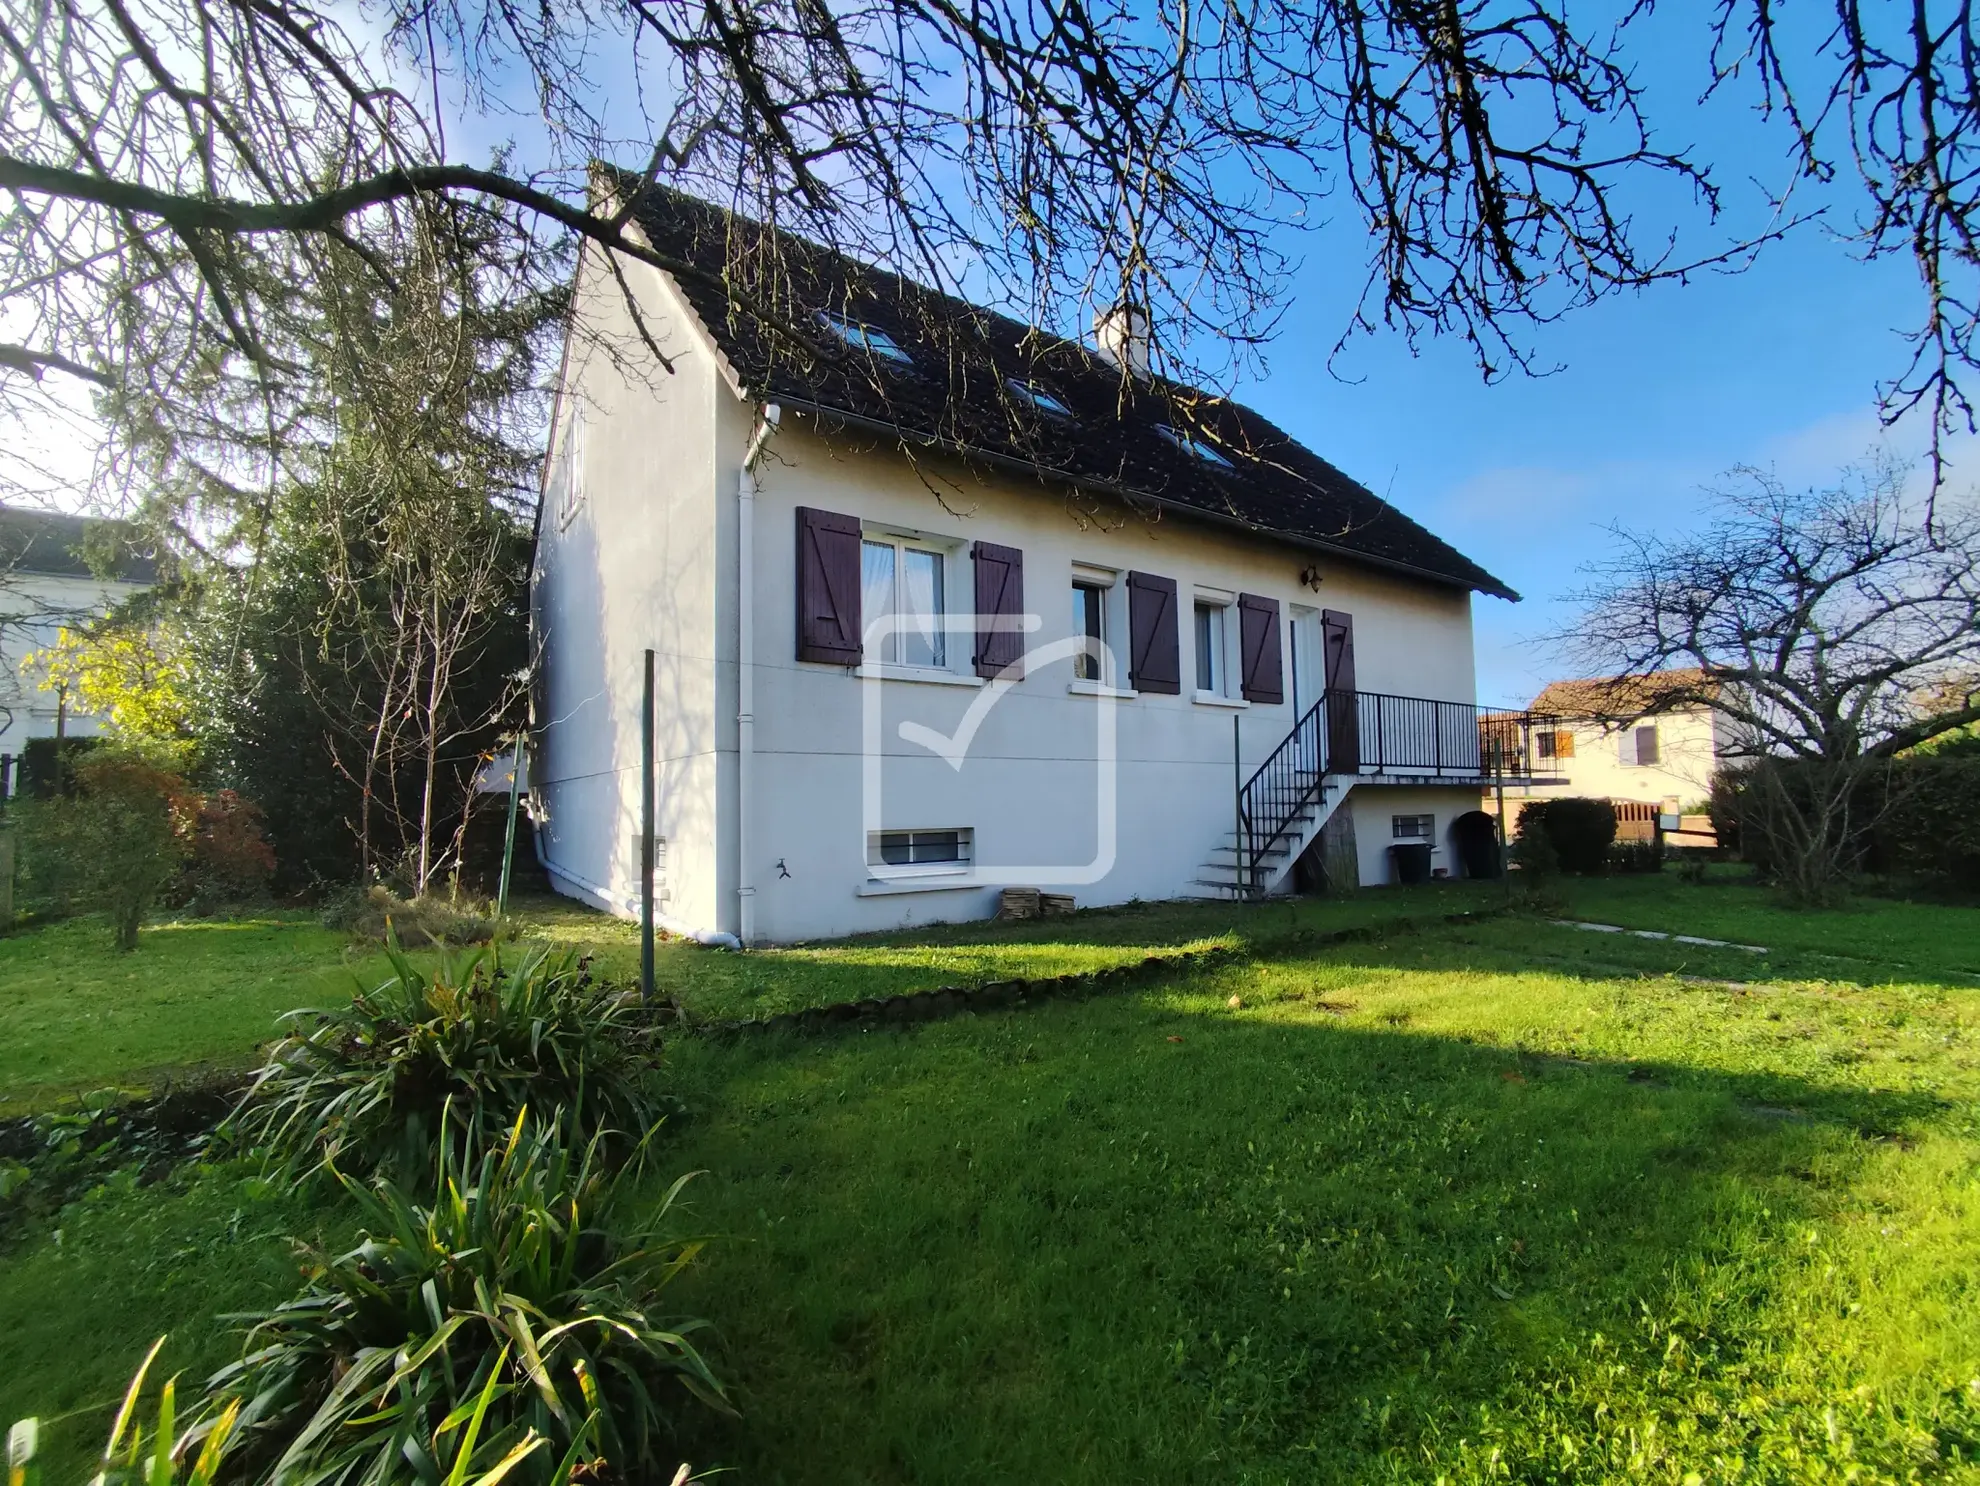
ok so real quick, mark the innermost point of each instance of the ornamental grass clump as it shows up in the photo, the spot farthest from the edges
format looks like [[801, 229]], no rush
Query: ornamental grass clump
[[508, 1295], [467, 1048]]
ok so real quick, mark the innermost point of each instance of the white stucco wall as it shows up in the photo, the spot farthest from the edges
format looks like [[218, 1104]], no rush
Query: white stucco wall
[[648, 557], [1689, 746], [637, 562], [1027, 785], [34, 607], [1375, 809]]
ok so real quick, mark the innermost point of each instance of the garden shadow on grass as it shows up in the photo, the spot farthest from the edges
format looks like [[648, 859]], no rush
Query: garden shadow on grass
[[1115, 1239]]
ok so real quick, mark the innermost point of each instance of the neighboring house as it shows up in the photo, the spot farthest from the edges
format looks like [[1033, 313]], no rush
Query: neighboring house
[[933, 618], [1621, 739], [56, 571]]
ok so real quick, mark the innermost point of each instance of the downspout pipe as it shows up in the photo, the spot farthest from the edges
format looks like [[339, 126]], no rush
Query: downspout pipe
[[766, 424]]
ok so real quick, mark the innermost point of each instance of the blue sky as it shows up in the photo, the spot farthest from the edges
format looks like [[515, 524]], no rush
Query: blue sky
[[1660, 393]]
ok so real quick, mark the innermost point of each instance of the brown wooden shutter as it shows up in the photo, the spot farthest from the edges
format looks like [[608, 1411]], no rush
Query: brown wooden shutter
[[1563, 744], [828, 622], [1154, 642], [1343, 701], [999, 595], [1263, 674]]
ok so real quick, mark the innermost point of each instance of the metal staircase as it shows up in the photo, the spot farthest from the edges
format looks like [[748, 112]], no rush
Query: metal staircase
[[1283, 805], [1348, 736]]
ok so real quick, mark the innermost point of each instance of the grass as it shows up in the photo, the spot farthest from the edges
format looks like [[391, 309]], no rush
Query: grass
[[1476, 1201], [1415, 1210], [75, 1015], [1880, 937], [83, 1297]]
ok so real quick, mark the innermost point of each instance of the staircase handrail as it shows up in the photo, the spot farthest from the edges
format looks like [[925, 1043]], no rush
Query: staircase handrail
[[1291, 776]]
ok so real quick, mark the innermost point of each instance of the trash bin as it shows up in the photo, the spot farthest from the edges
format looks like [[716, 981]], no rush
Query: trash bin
[[1411, 863]]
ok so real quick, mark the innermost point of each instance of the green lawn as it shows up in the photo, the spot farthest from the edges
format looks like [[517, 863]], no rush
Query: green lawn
[[76, 1015], [1416, 1211], [1879, 937], [1478, 1201]]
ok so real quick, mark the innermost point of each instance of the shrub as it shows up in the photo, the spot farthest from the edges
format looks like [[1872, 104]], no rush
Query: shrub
[[1932, 825], [1637, 856], [377, 913], [474, 1043], [1532, 848], [175, 1451], [1568, 835], [115, 843], [231, 858], [503, 1297], [1582, 831]]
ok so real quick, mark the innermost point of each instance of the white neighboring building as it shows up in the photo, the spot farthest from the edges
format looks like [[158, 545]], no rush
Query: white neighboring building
[[866, 577], [46, 584], [1623, 739]]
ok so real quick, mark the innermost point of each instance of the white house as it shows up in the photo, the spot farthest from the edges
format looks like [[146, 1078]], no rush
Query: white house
[[55, 570], [939, 606]]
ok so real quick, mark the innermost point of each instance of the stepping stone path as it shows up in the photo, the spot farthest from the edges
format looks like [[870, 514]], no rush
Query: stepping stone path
[[1575, 923]]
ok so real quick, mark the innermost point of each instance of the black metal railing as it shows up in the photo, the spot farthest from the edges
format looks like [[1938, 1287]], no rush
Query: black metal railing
[[1349, 734]]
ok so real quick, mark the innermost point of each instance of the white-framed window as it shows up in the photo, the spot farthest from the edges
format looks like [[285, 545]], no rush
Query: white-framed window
[[1210, 666], [949, 849], [1037, 397], [908, 578], [1413, 827], [566, 486], [1099, 612], [1207, 453], [1640, 745], [863, 337], [1089, 618]]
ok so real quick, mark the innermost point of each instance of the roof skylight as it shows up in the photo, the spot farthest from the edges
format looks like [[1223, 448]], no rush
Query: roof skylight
[[1039, 398], [1208, 453], [863, 337]]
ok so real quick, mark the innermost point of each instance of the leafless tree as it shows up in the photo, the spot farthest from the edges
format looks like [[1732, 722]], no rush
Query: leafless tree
[[180, 170], [1891, 97], [1831, 629]]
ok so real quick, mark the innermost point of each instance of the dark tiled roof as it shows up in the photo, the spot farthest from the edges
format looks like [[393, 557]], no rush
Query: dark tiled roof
[[955, 394], [57, 545]]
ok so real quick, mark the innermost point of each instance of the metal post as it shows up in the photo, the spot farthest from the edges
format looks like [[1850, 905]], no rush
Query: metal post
[[1505, 836], [6, 876], [1237, 803], [509, 839], [646, 836]]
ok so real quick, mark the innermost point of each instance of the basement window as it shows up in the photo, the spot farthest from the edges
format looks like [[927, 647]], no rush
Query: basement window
[[1413, 827], [863, 337], [913, 853]]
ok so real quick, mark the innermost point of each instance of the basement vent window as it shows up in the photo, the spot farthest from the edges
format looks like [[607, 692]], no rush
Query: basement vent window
[[660, 894], [1413, 827], [914, 853], [863, 337], [1202, 451]]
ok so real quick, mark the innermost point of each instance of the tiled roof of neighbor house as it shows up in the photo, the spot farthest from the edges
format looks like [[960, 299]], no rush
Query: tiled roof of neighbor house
[[1618, 696], [52, 544], [954, 391]]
